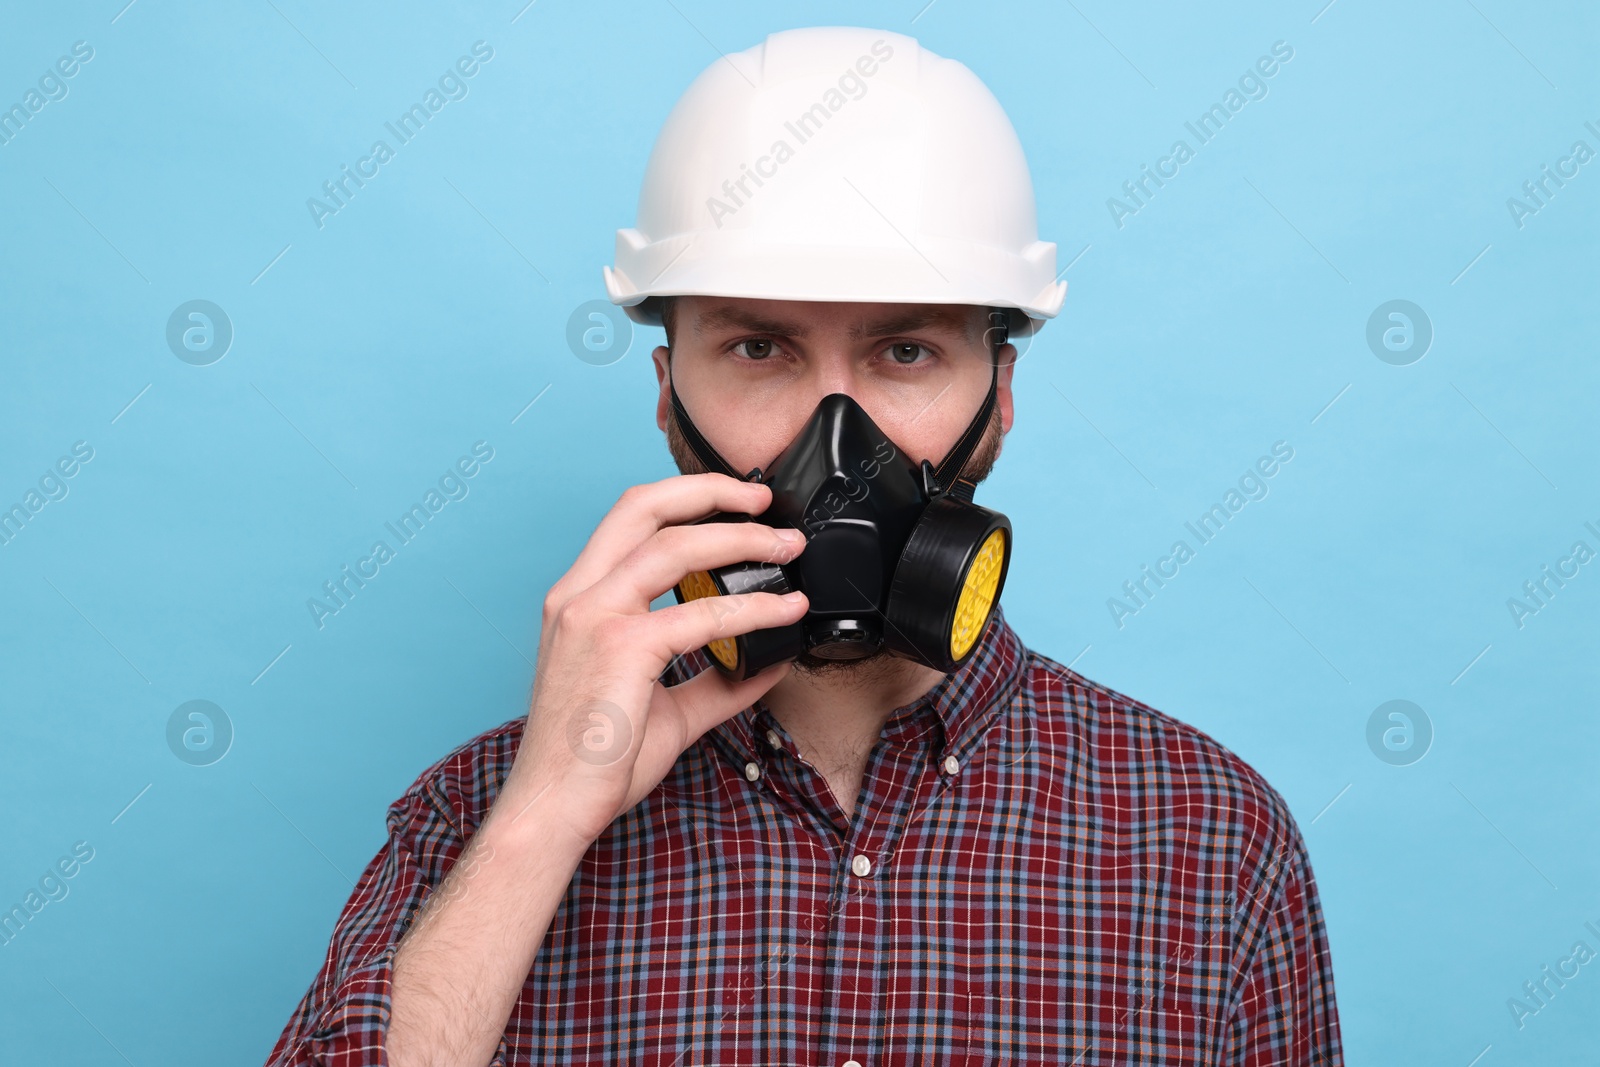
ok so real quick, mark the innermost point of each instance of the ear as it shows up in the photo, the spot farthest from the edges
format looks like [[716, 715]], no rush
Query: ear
[[1002, 389], [664, 380]]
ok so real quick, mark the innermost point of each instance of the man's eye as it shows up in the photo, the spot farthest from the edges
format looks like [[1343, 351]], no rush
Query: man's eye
[[757, 348], [905, 351]]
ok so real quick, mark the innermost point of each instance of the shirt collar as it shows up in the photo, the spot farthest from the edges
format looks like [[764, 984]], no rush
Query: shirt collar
[[961, 705]]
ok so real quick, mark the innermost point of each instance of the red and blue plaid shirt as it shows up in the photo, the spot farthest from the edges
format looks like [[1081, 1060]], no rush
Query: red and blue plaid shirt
[[1038, 870]]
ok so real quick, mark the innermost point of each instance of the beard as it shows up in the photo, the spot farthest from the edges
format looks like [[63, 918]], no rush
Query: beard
[[882, 663]]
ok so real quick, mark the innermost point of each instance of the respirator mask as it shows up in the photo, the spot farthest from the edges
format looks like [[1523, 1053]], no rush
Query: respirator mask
[[898, 558]]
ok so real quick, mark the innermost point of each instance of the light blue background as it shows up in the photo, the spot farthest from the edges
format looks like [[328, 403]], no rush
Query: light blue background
[[1226, 315]]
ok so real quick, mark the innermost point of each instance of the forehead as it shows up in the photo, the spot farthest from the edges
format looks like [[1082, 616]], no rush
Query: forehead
[[805, 318]]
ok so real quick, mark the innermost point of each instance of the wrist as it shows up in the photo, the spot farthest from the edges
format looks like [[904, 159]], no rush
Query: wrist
[[537, 827]]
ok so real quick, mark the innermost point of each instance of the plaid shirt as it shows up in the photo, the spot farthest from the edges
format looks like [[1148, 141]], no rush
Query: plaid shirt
[[1038, 870]]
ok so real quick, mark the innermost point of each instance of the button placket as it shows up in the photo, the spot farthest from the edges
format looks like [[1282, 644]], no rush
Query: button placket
[[862, 929]]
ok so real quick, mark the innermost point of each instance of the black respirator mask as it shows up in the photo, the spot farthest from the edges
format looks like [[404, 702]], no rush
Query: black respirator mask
[[897, 556]]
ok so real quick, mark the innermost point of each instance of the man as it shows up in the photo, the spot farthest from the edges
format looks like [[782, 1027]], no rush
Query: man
[[845, 861]]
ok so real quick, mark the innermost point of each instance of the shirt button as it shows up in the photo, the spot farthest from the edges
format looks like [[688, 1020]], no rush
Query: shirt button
[[751, 771], [951, 765], [851, 1063], [773, 740], [861, 865]]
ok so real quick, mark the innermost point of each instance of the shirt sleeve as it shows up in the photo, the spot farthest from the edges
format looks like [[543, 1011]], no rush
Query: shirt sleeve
[[343, 1018], [1282, 1011]]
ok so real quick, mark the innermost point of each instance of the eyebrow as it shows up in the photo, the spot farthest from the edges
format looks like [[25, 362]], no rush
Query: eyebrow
[[945, 319]]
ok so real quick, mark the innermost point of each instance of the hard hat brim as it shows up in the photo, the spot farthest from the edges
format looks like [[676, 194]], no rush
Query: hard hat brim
[[937, 273]]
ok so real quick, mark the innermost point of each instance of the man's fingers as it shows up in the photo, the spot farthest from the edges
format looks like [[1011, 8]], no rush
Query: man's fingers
[[708, 698], [663, 560], [685, 627], [644, 509]]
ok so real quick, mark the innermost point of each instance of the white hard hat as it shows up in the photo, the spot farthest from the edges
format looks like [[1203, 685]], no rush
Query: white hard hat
[[838, 163]]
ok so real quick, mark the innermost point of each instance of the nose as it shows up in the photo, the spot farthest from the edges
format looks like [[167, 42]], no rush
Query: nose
[[835, 373]]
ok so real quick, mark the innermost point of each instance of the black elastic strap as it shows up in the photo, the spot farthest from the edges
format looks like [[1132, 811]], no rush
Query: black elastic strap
[[697, 442], [948, 471]]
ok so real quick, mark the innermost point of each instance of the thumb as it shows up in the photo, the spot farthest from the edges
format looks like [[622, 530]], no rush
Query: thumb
[[709, 698]]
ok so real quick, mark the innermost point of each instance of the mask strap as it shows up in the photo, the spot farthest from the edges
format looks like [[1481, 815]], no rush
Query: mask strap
[[697, 442], [950, 467]]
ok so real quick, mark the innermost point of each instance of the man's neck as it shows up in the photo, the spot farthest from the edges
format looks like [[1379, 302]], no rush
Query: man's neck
[[836, 716]]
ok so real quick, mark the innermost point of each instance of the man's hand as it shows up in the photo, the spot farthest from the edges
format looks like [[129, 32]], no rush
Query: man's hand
[[601, 733]]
